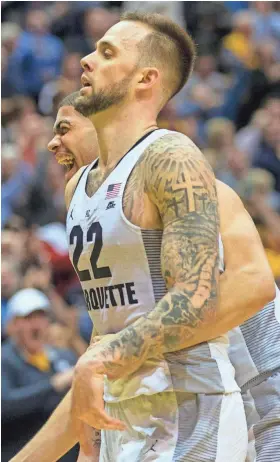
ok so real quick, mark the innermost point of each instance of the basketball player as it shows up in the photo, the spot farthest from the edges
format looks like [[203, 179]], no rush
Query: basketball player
[[248, 269], [169, 200], [257, 372], [81, 138]]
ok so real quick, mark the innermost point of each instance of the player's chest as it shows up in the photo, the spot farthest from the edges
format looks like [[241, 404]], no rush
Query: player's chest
[[135, 203]]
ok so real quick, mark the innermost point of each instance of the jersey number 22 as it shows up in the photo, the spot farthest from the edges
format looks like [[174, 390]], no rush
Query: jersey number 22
[[77, 232]]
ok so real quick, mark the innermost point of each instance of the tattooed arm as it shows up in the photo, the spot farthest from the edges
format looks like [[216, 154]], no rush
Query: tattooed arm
[[181, 185]]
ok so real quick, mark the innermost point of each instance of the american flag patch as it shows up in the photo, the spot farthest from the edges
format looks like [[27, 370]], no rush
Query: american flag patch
[[113, 190]]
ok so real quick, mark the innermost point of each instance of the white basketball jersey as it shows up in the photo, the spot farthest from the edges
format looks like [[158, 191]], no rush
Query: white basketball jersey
[[119, 267], [255, 345]]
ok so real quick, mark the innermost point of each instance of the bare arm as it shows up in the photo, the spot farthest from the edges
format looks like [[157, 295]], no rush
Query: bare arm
[[54, 439], [247, 283], [182, 186]]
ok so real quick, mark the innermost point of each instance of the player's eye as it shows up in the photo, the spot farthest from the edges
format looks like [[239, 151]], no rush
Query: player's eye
[[63, 130], [107, 53]]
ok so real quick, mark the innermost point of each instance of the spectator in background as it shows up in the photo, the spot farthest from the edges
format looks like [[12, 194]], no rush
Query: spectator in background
[[16, 176], [184, 119], [96, 22], [204, 96], [228, 162], [238, 48], [44, 201], [38, 55], [10, 33], [35, 268], [10, 282], [205, 72], [235, 6], [9, 103], [257, 193], [15, 242], [207, 22], [68, 82], [173, 10], [68, 336], [27, 263], [35, 376], [64, 19], [13, 246], [264, 79], [248, 139], [267, 154], [267, 22], [29, 130]]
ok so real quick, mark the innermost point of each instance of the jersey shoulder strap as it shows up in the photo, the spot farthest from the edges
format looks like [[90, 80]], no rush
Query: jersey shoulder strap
[[71, 189]]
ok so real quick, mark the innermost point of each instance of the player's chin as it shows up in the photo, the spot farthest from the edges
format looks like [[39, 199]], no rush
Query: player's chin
[[70, 171]]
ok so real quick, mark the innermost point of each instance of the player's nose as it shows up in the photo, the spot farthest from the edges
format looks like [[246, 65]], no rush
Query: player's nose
[[54, 144], [86, 63]]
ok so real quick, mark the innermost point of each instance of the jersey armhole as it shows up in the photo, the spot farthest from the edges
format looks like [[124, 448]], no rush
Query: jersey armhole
[[90, 167]]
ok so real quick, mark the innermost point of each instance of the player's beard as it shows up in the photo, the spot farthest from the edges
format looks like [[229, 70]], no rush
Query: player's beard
[[104, 99]]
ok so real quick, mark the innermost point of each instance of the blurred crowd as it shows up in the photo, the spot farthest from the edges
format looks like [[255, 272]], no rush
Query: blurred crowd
[[230, 108]]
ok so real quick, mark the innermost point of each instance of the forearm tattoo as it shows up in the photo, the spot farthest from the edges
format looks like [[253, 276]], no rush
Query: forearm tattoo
[[179, 181], [96, 437]]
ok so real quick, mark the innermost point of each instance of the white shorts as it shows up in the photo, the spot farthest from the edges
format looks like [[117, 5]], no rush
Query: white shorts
[[177, 427], [262, 407]]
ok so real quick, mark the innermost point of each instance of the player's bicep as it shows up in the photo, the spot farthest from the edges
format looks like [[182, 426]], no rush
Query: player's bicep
[[182, 186]]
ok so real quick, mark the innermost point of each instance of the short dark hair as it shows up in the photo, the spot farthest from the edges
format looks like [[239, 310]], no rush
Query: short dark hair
[[69, 100], [167, 44]]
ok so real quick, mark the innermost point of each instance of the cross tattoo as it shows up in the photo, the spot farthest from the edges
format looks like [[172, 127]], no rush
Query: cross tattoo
[[188, 185]]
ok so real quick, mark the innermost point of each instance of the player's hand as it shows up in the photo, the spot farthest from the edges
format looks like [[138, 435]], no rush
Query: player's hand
[[87, 394]]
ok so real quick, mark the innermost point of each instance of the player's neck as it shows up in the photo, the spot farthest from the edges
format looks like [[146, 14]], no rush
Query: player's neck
[[119, 130]]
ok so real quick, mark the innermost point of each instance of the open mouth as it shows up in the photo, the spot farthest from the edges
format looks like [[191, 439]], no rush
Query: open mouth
[[66, 160], [85, 81], [69, 166], [36, 334]]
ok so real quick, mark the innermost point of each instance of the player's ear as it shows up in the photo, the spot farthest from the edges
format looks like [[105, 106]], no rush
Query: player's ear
[[148, 78]]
